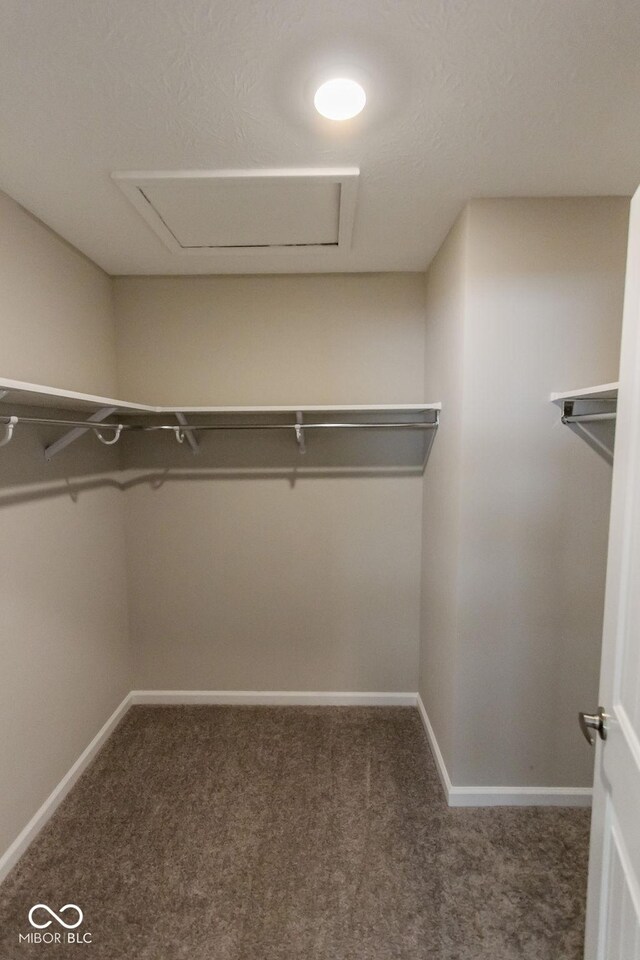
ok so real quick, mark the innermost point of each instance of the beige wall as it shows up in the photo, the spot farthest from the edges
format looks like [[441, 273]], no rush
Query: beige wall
[[56, 314], [543, 283], [63, 641], [354, 338], [255, 584], [444, 344], [252, 567]]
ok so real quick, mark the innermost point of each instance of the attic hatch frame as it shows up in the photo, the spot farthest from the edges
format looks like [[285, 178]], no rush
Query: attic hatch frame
[[132, 184]]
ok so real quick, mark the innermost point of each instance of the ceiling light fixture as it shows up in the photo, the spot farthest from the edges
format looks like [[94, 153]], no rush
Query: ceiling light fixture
[[340, 99]]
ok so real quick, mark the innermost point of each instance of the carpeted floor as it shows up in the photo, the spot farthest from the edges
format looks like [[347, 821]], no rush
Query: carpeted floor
[[242, 833]]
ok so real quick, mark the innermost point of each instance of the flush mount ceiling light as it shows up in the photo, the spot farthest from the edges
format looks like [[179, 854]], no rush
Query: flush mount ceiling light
[[340, 99]]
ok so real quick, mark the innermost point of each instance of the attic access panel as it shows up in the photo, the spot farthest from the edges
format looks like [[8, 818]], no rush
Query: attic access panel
[[227, 211]]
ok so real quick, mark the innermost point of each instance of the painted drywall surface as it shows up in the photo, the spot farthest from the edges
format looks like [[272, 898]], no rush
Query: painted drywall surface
[[250, 566], [271, 340], [445, 306], [64, 644], [56, 314], [254, 584], [64, 653], [544, 286], [544, 309]]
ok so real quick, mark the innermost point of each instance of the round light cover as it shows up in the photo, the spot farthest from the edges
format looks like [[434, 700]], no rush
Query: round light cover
[[340, 99]]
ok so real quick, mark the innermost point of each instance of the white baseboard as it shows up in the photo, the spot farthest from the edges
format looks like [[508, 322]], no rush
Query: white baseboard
[[274, 698], [500, 796], [520, 797], [441, 766], [11, 856]]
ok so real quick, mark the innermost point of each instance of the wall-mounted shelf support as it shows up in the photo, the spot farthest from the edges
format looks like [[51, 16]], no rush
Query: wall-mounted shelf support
[[300, 433], [54, 448], [110, 441], [187, 435], [430, 437], [591, 405], [9, 427]]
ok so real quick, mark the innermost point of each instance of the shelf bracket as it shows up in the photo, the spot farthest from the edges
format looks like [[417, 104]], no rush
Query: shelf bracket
[[3, 394], [605, 412], [300, 433], [54, 448], [187, 435], [8, 431]]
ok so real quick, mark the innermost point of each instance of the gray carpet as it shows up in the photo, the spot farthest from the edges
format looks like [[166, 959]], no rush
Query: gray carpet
[[241, 833]]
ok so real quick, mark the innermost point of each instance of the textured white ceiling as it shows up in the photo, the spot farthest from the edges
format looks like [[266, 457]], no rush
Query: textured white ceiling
[[466, 98]]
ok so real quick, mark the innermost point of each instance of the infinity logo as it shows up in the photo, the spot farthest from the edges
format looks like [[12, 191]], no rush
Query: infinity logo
[[67, 926]]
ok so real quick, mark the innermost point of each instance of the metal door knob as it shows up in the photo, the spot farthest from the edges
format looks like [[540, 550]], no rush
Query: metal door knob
[[590, 722]]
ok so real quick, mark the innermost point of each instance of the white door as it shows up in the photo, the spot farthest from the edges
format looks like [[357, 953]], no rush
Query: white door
[[613, 910]]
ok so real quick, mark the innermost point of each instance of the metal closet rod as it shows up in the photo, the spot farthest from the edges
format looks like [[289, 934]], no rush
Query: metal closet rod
[[588, 417], [413, 425], [89, 424], [568, 416], [107, 425]]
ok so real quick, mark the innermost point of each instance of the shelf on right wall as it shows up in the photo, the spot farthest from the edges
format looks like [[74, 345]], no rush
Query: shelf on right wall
[[591, 405], [604, 391]]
